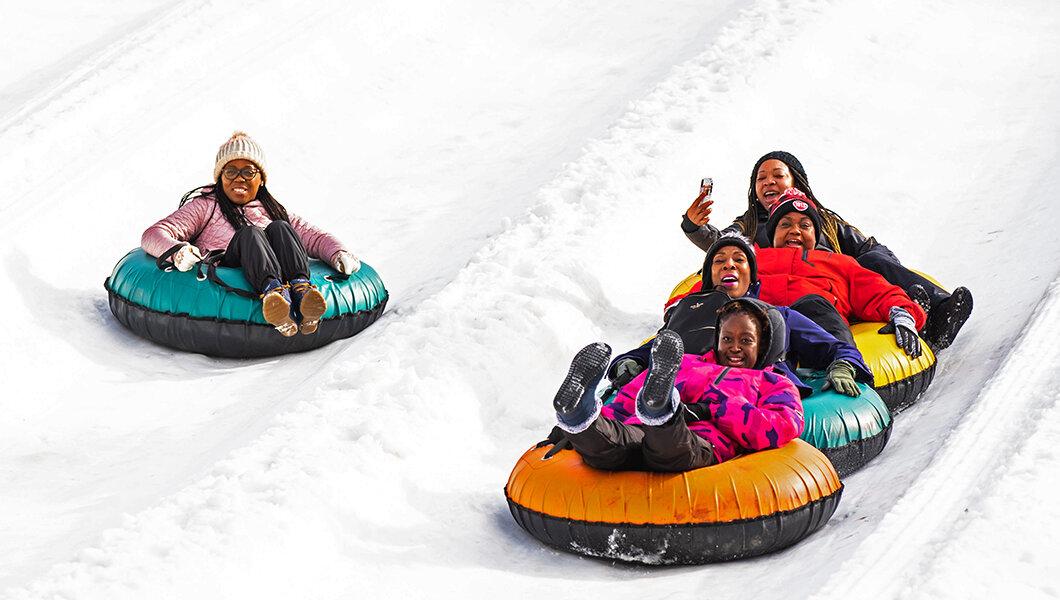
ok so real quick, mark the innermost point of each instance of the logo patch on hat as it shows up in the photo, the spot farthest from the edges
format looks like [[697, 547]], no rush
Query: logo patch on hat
[[800, 205]]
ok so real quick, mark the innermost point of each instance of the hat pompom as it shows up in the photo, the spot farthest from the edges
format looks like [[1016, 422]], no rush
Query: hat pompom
[[792, 194]]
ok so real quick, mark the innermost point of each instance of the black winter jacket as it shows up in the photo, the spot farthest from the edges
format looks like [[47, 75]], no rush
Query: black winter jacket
[[851, 241]]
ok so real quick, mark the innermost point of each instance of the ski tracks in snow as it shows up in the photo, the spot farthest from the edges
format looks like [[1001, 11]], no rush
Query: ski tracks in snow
[[108, 109], [513, 315], [901, 558], [422, 421]]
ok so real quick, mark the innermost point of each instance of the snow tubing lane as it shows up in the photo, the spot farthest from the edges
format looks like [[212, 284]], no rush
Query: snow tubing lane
[[850, 431], [897, 378], [747, 506], [188, 312]]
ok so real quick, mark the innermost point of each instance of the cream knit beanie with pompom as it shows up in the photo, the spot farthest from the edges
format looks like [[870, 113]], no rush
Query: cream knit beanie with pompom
[[239, 146]]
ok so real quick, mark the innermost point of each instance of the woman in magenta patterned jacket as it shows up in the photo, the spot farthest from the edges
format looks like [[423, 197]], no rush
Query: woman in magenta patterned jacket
[[238, 215], [687, 411]]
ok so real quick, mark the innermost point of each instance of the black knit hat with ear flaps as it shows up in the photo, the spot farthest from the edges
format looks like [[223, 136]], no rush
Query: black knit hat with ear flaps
[[730, 239], [775, 334]]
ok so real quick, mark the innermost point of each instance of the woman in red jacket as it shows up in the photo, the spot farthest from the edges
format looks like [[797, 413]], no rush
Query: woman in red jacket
[[794, 268]]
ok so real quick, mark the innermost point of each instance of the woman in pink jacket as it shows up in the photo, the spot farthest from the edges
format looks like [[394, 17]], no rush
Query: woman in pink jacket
[[686, 411], [237, 215]]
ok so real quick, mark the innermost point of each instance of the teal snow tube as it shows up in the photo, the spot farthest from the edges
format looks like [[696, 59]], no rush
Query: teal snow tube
[[189, 312], [850, 431]]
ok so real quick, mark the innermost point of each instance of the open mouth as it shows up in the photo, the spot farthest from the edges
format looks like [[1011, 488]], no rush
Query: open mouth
[[730, 279], [734, 361]]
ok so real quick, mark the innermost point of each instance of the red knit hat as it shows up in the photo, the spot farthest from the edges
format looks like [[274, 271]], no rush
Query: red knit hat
[[793, 200]]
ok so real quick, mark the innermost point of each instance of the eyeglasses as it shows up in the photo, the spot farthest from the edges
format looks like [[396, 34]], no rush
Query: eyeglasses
[[248, 173]]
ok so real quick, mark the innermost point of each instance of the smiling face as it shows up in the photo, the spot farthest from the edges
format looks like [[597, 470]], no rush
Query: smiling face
[[795, 230], [731, 271], [239, 189], [738, 337], [772, 179]]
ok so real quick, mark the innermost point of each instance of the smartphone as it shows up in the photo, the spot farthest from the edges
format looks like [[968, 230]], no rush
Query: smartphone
[[706, 186]]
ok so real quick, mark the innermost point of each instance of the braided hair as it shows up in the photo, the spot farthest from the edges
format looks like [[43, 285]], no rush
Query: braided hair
[[230, 210], [829, 219]]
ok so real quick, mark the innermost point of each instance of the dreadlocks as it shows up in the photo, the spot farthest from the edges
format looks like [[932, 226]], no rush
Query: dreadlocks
[[829, 229]]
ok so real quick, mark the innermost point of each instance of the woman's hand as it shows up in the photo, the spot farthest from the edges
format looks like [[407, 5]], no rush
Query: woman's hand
[[699, 212], [345, 262], [841, 378], [186, 258], [903, 327]]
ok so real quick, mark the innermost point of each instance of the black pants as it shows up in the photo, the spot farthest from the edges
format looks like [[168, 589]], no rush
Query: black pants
[[825, 314], [275, 252], [614, 446], [895, 273]]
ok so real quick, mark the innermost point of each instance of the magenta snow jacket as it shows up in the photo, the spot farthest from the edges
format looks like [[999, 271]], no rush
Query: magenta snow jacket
[[201, 223], [737, 410]]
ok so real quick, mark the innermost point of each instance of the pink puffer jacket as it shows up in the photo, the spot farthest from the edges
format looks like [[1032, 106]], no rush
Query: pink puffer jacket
[[201, 223], [748, 409]]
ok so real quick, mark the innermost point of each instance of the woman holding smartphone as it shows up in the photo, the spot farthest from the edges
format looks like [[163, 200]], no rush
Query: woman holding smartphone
[[777, 171]]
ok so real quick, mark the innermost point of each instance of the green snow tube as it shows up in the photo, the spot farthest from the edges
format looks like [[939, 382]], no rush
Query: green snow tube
[[188, 311], [850, 431]]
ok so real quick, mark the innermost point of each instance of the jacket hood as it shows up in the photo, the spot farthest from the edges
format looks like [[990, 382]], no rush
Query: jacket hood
[[775, 337]]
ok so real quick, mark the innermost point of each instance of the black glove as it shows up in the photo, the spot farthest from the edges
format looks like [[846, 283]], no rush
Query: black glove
[[841, 377], [903, 327]]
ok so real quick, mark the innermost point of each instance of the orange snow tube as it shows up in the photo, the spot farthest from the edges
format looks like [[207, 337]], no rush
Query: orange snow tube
[[747, 506]]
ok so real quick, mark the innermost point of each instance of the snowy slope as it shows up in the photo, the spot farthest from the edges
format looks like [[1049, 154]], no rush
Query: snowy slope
[[516, 174]]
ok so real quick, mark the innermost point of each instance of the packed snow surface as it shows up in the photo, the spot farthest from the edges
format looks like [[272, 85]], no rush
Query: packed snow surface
[[516, 172]]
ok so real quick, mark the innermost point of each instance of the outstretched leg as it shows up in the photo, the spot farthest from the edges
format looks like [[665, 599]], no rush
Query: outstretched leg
[[895, 272], [824, 313], [673, 447], [610, 445], [307, 303], [250, 250], [575, 402], [602, 443], [946, 319], [657, 400]]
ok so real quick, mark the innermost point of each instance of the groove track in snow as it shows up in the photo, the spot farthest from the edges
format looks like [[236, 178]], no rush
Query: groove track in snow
[[980, 449]]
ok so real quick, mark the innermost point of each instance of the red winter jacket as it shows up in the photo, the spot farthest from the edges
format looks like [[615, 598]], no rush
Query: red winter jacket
[[859, 294], [787, 274]]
